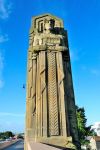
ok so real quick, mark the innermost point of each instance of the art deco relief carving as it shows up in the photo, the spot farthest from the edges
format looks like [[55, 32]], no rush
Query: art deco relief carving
[[48, 83]]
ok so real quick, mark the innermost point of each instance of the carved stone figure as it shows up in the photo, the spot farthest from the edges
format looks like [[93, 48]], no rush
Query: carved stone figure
[[50, 104]]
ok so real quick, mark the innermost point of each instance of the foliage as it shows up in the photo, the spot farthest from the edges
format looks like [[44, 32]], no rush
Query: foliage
[[5, 135], [83, 130]]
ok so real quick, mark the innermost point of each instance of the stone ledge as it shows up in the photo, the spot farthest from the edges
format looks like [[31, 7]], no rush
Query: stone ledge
[[49, 47]]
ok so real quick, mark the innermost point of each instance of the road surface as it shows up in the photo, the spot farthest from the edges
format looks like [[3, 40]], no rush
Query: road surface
[[18, 146]]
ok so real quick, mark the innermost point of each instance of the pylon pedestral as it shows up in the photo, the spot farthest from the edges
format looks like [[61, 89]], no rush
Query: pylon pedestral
[[59, 142]]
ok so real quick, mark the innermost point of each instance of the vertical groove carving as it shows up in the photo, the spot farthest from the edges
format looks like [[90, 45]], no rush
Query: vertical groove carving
[[33, 94], [43, 94], [67, 95], [29, 92], [37, 98], [71, 104], [61, 93]]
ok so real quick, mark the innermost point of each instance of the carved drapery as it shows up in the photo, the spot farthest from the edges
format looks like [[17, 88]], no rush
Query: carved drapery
[[46, 94], [41, 98], [52, 94], [61, 75]]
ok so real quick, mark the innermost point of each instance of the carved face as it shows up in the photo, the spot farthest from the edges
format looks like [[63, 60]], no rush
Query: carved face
[[47, 26], [52, 23]]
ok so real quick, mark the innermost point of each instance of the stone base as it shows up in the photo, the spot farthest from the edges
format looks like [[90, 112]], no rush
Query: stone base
[[56, 141]]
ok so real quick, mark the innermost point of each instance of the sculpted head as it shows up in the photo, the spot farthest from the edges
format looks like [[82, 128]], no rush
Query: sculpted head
[[46, 23], [49, 25]]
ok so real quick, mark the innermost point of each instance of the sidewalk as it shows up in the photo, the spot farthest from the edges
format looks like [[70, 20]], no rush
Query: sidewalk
[[40, 146], [7, 143]]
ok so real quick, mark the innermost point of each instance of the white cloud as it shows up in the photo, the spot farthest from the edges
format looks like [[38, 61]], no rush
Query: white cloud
[[5, 9], [96, 127], [4, 38], [11, 114]]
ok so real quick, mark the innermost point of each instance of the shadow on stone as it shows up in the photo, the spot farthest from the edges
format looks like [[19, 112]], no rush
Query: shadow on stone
[[60, 147]]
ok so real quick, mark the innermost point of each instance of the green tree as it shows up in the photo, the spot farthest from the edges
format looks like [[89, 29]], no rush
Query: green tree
[[2, 136], [8, 134], [83, 130], [5, 135]]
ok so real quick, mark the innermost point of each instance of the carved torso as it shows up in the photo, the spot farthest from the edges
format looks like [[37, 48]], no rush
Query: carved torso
[[47, 32]]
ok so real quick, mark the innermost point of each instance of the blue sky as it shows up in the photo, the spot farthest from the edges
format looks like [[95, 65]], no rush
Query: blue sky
[[82, 20]]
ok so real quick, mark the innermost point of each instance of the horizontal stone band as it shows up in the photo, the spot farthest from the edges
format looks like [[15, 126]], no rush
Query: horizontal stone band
[[48, 47]]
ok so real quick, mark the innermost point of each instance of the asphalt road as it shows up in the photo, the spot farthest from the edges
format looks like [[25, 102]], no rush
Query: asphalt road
[[18, 146]]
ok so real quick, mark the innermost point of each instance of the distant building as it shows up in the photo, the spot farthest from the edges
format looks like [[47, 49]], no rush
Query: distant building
[[95, 143], [96, 128], [20, 135]]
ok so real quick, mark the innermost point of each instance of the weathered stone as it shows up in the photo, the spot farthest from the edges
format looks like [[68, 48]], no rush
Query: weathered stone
[[50, 106]]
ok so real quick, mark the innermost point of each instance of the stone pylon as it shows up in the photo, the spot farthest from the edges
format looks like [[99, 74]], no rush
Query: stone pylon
[[50, 104]]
